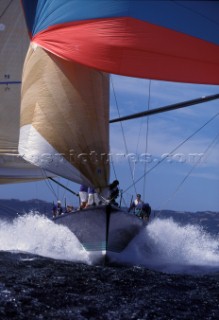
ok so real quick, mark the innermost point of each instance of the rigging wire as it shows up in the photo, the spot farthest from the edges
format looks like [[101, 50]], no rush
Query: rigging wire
[[146, 140], [6, 8], [123, 134], [190, 171], [49, 184], [137, 145], [177, 147], [136, 150], [114, 170]]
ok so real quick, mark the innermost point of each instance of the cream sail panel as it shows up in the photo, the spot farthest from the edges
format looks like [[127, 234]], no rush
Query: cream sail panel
[[9, 119], [35, 149], [14, 44], [68, 105], [14, 169], [11, 174], [14, 40]]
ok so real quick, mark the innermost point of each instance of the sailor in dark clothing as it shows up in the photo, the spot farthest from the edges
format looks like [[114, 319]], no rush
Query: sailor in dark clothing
[[114, 192], [146, 211]]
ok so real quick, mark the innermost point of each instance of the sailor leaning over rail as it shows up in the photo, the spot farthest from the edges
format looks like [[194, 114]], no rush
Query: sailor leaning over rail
[[141, 209], [137, 205]]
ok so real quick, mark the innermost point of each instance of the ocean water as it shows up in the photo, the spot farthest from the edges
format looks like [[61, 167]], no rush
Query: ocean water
[[46, 274]]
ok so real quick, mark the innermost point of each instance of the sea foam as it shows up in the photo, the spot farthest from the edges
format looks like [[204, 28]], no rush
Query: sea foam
[[167, 246], [163, 245], [36, 234]]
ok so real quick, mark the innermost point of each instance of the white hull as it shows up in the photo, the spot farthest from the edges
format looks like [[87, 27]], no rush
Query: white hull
[[104, 231]]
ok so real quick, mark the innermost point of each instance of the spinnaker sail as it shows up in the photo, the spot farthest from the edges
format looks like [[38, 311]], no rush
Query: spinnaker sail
[[73, 44], [164, 40]]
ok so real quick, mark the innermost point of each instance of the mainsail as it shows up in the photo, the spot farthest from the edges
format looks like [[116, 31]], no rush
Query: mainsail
[[14, 44], [65, 91]]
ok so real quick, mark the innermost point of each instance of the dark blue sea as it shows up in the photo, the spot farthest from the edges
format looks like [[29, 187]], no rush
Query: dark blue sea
[[45, 274]]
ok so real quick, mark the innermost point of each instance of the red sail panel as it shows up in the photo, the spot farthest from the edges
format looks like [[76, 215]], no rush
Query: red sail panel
[[131, 47]]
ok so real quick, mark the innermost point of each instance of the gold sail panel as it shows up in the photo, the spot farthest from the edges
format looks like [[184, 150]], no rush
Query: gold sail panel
[[65, 118]]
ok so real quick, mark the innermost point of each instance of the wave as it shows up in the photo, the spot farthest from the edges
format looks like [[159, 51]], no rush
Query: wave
[[164, 245], [36, 234], [167, 246]]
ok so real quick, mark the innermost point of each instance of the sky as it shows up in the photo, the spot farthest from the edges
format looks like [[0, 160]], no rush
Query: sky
[[187, 179], [182, 172]]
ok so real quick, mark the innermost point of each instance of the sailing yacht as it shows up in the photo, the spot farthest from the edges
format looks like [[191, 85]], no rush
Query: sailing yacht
[[62, 115]]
